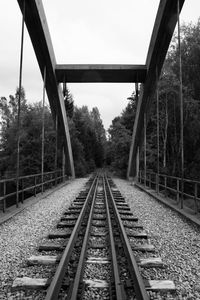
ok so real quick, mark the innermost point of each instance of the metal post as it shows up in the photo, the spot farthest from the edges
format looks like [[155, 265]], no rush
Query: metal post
[[43, 107], [181, 102], [35, 182], [157, 184], [63, 164], [145, 149], [137, 165], [56, 149], [136, 93], [177, 191], [140, 176], [165, 178], [22, 190], [150, 180], [158, 130], [195, 197], [19, 106], [4, 194]]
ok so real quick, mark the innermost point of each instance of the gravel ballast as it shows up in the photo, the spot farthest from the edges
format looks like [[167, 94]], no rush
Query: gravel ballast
[[176, 239], [20, 236]]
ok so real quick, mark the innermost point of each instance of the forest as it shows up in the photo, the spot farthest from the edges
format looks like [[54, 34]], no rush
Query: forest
[[91, 147], [86, 131], [120, 131]]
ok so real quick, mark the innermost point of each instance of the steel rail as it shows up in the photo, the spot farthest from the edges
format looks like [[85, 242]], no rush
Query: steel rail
[[80, 269], [140, 290], [118, 287], [54, 288]]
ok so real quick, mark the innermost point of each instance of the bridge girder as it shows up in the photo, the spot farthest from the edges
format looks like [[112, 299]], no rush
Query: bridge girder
[[37, 27], [101, 73], [147, 74], [166, 19]]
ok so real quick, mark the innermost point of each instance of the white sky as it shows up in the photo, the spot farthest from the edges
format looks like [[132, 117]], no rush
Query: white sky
[[89, 31]]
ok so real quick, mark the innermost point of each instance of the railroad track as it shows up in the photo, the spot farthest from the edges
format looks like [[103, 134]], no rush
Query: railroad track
[[97, 252]]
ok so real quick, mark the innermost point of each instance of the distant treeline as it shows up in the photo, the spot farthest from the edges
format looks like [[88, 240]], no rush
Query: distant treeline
[[86, 129]]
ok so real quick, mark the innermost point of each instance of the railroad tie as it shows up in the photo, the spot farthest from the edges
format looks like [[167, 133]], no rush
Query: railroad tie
[[98, 260], [65, 224], [27, 283], [95, 245], [160, 285], [126, 213], [123, 208], [143, 248], [51, 247], [155, 285], [96, 283], [129, 217], [69, 218], [98, 234], [138, 235], [43, 260], [72, 212], [151, 262], [135, 226], [57, 235], [75, 207]]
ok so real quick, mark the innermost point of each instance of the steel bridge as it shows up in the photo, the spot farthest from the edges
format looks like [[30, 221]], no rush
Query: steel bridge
[[147, 75]]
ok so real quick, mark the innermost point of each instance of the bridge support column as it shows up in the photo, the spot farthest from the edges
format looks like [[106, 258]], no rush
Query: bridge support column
[[164, 26], [37, 27]]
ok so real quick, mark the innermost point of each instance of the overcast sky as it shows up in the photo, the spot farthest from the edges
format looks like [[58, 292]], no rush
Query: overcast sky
[[89, 31]]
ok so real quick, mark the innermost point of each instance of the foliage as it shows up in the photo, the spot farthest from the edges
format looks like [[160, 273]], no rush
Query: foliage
[[30, 138], [119, 141], [69, 102], [86, 130], [88, 139], [169, 114], [169, 109]]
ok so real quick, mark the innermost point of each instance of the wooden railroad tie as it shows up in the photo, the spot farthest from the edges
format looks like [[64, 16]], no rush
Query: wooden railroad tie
[[69, 218], [124, 212], [65, 224], [43, 260], [27, 283], [57, 235], [151, 262], [51, 247], [143, 248]]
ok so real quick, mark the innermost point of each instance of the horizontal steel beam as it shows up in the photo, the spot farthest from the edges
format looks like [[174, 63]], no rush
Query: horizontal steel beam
[[101, 73], [164, 26]]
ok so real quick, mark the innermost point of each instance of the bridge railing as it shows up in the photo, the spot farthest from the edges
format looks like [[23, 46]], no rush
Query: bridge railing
[[185, 192], [29, 186]]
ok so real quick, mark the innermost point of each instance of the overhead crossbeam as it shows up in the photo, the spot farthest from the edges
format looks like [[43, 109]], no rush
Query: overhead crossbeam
[[101, 73], [164, 26], [36, 24]]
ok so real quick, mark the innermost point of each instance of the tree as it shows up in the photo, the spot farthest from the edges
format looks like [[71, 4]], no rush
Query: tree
[[30, 137], [120, 133], [69, 102], [169, 99], [100, 137], [88, 131]]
